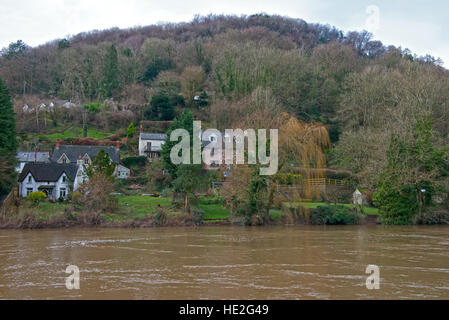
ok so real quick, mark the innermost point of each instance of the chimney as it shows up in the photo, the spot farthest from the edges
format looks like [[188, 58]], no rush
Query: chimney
[[80, 161], [35, 155], [117, 144], [141, 128], [57, 144]]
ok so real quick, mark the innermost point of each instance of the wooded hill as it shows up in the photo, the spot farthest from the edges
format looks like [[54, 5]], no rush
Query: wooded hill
[[237, 67]]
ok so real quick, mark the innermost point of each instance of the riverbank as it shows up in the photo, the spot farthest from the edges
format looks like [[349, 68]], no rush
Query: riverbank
[[138, 211], [146, 212]]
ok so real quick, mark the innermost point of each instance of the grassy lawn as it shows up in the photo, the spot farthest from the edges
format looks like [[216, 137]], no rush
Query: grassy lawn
[[214, 211], [73, 132], [139, 207], [313, 205]]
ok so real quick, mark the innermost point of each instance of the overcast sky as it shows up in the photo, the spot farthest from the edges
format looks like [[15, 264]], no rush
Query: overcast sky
[[421, 26]]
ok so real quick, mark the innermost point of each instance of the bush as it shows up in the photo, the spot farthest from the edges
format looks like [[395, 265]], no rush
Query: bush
[[197, 215], [436, 216], [333, 215], [134, 162], [395, 207], [96, 194], [161, 217], [76, 197], [37, 196]]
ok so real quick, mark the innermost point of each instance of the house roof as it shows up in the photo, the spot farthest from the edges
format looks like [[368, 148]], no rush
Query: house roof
[[50, 172], [153, 136], [73, 152], [29, 156], [122, 168]]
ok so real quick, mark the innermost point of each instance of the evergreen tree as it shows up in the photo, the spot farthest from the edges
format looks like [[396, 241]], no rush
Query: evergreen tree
[[183, 121], [8, 142], [102, 164], [110, 84], [414, 172], [131, 131], [162, 107]]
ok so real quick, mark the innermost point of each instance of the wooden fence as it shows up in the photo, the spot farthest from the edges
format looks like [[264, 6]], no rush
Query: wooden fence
[[323, 182]]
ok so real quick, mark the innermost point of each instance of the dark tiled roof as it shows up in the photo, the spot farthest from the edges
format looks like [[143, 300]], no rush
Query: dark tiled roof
[[153, 136], [29, 156], [48, 171], [73, 152]]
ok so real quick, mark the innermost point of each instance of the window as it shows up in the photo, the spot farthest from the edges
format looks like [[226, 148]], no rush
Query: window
[[64, 160], [213, 138], [29, 190], [62, 193], [30, 179], [86, 161], [64, 178]]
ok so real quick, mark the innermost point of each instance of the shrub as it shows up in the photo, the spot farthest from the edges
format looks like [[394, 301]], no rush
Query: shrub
[[161, 217], [76, 197], [96, 193], [197, 215], [333, 215], [37, 196], [435, 216], [134, 162], [395, 207], [93, 107], [68, 213]]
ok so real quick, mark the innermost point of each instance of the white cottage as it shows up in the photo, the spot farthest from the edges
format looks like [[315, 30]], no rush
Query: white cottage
[[55, 180], [357, 197], [122, 172], [150, 144]]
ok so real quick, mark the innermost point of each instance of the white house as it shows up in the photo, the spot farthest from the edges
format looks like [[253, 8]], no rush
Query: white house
[[150, 144], [122, 172], [31, 157], [54, 179]]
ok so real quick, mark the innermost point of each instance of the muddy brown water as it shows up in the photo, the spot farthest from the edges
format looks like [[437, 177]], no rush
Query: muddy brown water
[[226, 263]]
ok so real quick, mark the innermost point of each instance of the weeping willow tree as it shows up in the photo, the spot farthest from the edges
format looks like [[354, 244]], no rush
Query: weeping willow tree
[[301, 144]]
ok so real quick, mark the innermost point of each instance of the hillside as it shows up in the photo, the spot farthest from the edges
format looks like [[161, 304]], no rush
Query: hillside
[[225, 69]]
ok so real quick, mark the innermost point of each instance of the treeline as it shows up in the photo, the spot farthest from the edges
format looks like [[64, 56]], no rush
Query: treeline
[[79, 68]]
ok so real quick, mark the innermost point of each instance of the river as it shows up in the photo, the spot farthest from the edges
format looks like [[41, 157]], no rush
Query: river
[[226, 263]]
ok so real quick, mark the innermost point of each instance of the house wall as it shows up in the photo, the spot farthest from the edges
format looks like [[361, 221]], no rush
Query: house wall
[[122, 172], [157, 144], [24, 185], [81, 177], [20, 166]]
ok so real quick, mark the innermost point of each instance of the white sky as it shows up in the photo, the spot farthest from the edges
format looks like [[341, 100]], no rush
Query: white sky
[[413, 24]]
